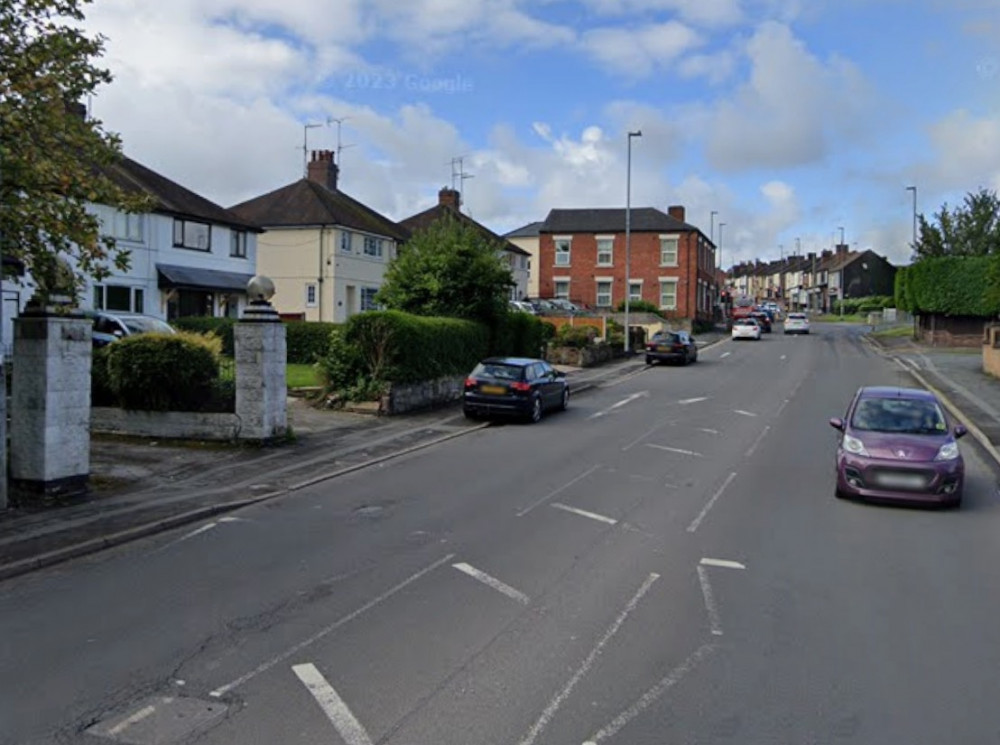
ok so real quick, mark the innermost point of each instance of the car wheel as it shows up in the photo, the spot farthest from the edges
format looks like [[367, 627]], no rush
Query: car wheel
[[536, 409], [839, 494], [470, 414], [695, 358], [564, 402], [649, 360]]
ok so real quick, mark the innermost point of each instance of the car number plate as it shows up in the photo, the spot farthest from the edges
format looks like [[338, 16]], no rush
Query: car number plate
[[496, 390], [663, 349], [901, 480]]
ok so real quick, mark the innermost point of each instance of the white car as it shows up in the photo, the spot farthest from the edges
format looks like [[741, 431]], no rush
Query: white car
[[746, 328], [797, 323]]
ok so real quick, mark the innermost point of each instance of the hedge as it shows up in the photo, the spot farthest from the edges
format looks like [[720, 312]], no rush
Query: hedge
[[871, 304], [221, 326], [950, 285], [308, 341], [520, 335]]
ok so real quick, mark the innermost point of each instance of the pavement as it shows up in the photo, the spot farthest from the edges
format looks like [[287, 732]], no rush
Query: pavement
[[141, 487]]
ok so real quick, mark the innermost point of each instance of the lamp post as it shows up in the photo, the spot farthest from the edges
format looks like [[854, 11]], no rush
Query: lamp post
[[628, 235], [711, 223], [914, 190]]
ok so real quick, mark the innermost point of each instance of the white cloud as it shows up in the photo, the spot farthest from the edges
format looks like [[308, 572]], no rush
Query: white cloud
[[967, 152], [639, 52], [716, 68], [702, 12]]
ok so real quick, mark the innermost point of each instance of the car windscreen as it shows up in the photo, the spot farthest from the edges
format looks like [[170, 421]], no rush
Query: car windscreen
[[137, 325], [899, 415], [796, 316], [498, 370]]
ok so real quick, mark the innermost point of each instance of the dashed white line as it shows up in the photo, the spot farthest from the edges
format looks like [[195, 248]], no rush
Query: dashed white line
[[650, 697], [295, 649], [560, 490], [741, 412], [715, 497], [557, 701], [346, 724], [642, 437], [756, 443], [784, 356], [619, 404], [584, 513], [679, 451], [493, 582], [713, 612], [709, 431], [783, 404], [687, 401], [724, 355], [724, 563], [133, 719]]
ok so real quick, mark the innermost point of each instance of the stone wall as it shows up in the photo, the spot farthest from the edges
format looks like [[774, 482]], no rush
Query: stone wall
[[991, 351], [165, 425], [404, 397], [589, 356]]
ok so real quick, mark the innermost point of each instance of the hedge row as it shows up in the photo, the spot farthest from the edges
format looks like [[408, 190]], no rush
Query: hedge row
[[307, 340], [871, 304], [950, 285]]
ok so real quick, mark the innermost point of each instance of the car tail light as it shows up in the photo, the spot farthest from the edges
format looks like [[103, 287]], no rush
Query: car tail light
[[522, 387], [470, 383]]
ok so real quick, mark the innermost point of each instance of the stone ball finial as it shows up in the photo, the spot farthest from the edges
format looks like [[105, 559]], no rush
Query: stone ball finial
[[260, 289]]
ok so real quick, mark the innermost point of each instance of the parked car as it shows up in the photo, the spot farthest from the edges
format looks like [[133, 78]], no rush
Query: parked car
[[110, 327], [896, 444], [746, 328], [516, 386], [671, 346], [564, 305], [763, 319], [522, 306], [797, 323], [541, 307]]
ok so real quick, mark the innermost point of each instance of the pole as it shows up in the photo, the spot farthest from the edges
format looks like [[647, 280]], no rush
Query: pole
[[914, 190], [3, 382], [711, 229], [628, 237]]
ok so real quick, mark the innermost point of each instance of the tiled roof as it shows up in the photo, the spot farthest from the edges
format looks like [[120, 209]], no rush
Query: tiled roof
[[305, 203], [531, 230], [424, 219], [642, 220]]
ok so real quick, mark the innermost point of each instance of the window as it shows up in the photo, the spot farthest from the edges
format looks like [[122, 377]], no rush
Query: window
[[345, 241], [310, 296], [634, 291], [562, 251], [123, 226], [194, 235], [561, 289], [604, 294], [373, 246], [238, 244], [119, 297], [668, 250], [368, 298], [668, 294], [605, 252]]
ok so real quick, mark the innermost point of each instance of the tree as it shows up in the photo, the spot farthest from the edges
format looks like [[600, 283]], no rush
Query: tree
[[971, 229], [53, 161], [449, 269]]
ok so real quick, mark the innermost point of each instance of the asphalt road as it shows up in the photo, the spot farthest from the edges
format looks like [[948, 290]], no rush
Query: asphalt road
[[663, 563]]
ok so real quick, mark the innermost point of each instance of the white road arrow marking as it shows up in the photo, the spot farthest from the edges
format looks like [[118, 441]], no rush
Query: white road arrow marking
[[743, 413], [623, 402], [725, 563], [584, 513], [679, 451]]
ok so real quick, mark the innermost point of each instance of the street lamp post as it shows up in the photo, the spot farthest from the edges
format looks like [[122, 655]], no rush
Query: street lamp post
[[711, 228], [722, 266], [628, 236], [914, 190]]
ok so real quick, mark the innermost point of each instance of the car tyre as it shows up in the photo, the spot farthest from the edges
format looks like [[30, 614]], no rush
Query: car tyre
[[650, 361], [470, 415], [564, 401], [535, 415]]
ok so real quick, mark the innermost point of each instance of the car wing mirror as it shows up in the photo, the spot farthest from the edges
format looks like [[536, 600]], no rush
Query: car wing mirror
[[837, 423], [960, 431]]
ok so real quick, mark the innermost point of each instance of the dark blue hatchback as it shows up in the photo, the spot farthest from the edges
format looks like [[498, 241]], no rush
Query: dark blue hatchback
[[517, 386]]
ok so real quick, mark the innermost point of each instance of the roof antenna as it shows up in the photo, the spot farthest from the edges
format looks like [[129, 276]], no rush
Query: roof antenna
[[458, 176], [340, 146], [305, 145]]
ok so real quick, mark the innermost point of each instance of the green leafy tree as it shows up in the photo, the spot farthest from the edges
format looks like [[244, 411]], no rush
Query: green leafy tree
[[53, 161], [449, 269], [970, 229]]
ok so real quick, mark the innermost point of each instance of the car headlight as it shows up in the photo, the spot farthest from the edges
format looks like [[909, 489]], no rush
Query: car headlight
[[854, 446], [948, 451]]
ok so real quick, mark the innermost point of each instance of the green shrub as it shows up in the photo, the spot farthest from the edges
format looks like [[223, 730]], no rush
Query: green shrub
[[100, 383], [307, 340], [220, 326], [575, 336], [953, 285], [520, 335], [341, 366], [155, 372], [639, 306]]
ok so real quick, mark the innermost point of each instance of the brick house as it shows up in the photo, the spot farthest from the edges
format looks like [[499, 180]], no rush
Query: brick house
[[672, 263]]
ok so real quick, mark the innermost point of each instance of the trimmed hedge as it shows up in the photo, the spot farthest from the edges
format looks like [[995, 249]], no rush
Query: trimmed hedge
[[871, 304], [950, 285], [521, 335], [308, 341], [220, 326], [160, 372]]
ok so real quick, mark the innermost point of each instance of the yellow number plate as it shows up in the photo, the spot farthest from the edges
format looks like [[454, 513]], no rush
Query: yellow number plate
[[498, 390]]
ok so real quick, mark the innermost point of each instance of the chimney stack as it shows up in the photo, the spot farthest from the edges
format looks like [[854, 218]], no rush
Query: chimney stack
[[323, 170], [841, 248], [676, 211], [450, 198]]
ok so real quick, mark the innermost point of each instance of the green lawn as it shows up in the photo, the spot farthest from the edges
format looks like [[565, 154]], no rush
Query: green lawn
[[895, 332], [301, 376], [835, 318]]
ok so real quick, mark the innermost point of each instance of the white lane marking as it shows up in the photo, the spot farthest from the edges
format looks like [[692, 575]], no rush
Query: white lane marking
[[784, 356], [560, 490], [710, 431], [642, 437], [346, 724], [325, 631], [679, 451], [741, 412], [713, 611], [560, 698], [650, 697], [756, 443], [232, 520], [725, 563], [493, 582], [687, 401], [619, 404], [584, 513], [133, 719], [701, 516], [724, 355], [668, 485], [783, 404]]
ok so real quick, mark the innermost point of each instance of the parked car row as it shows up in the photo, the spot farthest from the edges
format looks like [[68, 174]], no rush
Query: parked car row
[[110, 327], [549, 306]]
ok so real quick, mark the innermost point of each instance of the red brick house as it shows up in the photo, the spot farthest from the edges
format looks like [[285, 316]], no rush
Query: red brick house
[[672, 264]]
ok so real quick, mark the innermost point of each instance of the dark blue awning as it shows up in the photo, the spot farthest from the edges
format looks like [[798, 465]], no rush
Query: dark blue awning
[[186, 277]]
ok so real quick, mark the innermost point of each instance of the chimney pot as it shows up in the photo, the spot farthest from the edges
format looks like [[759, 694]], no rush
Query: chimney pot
[[323, 170], [450, 198], [676, 211]]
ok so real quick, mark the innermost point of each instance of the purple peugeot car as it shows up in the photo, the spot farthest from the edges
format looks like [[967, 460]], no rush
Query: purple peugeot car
[[896, 445]]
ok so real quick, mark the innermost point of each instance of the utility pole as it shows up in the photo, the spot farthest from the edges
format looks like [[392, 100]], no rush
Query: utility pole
[[628, 237], [914, 190]]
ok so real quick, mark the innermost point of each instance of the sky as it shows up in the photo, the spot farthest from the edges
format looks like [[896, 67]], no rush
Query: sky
[[789, 119]]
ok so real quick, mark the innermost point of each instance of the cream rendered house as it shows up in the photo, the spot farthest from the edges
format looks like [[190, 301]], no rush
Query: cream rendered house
[[326, 252], [527, 239]]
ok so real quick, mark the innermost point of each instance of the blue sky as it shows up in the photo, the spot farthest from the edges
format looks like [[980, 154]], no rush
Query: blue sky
[[789, 118]]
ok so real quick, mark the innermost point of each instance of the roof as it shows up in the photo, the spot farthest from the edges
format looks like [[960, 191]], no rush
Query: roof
[[531, 230], [170, 197], [305, 203], [423, 220], [641, 219], [521, 361], [888, 391], [171, 275]]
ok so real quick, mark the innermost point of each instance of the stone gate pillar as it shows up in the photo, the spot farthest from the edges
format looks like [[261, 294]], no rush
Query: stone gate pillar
[[261, 354]]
